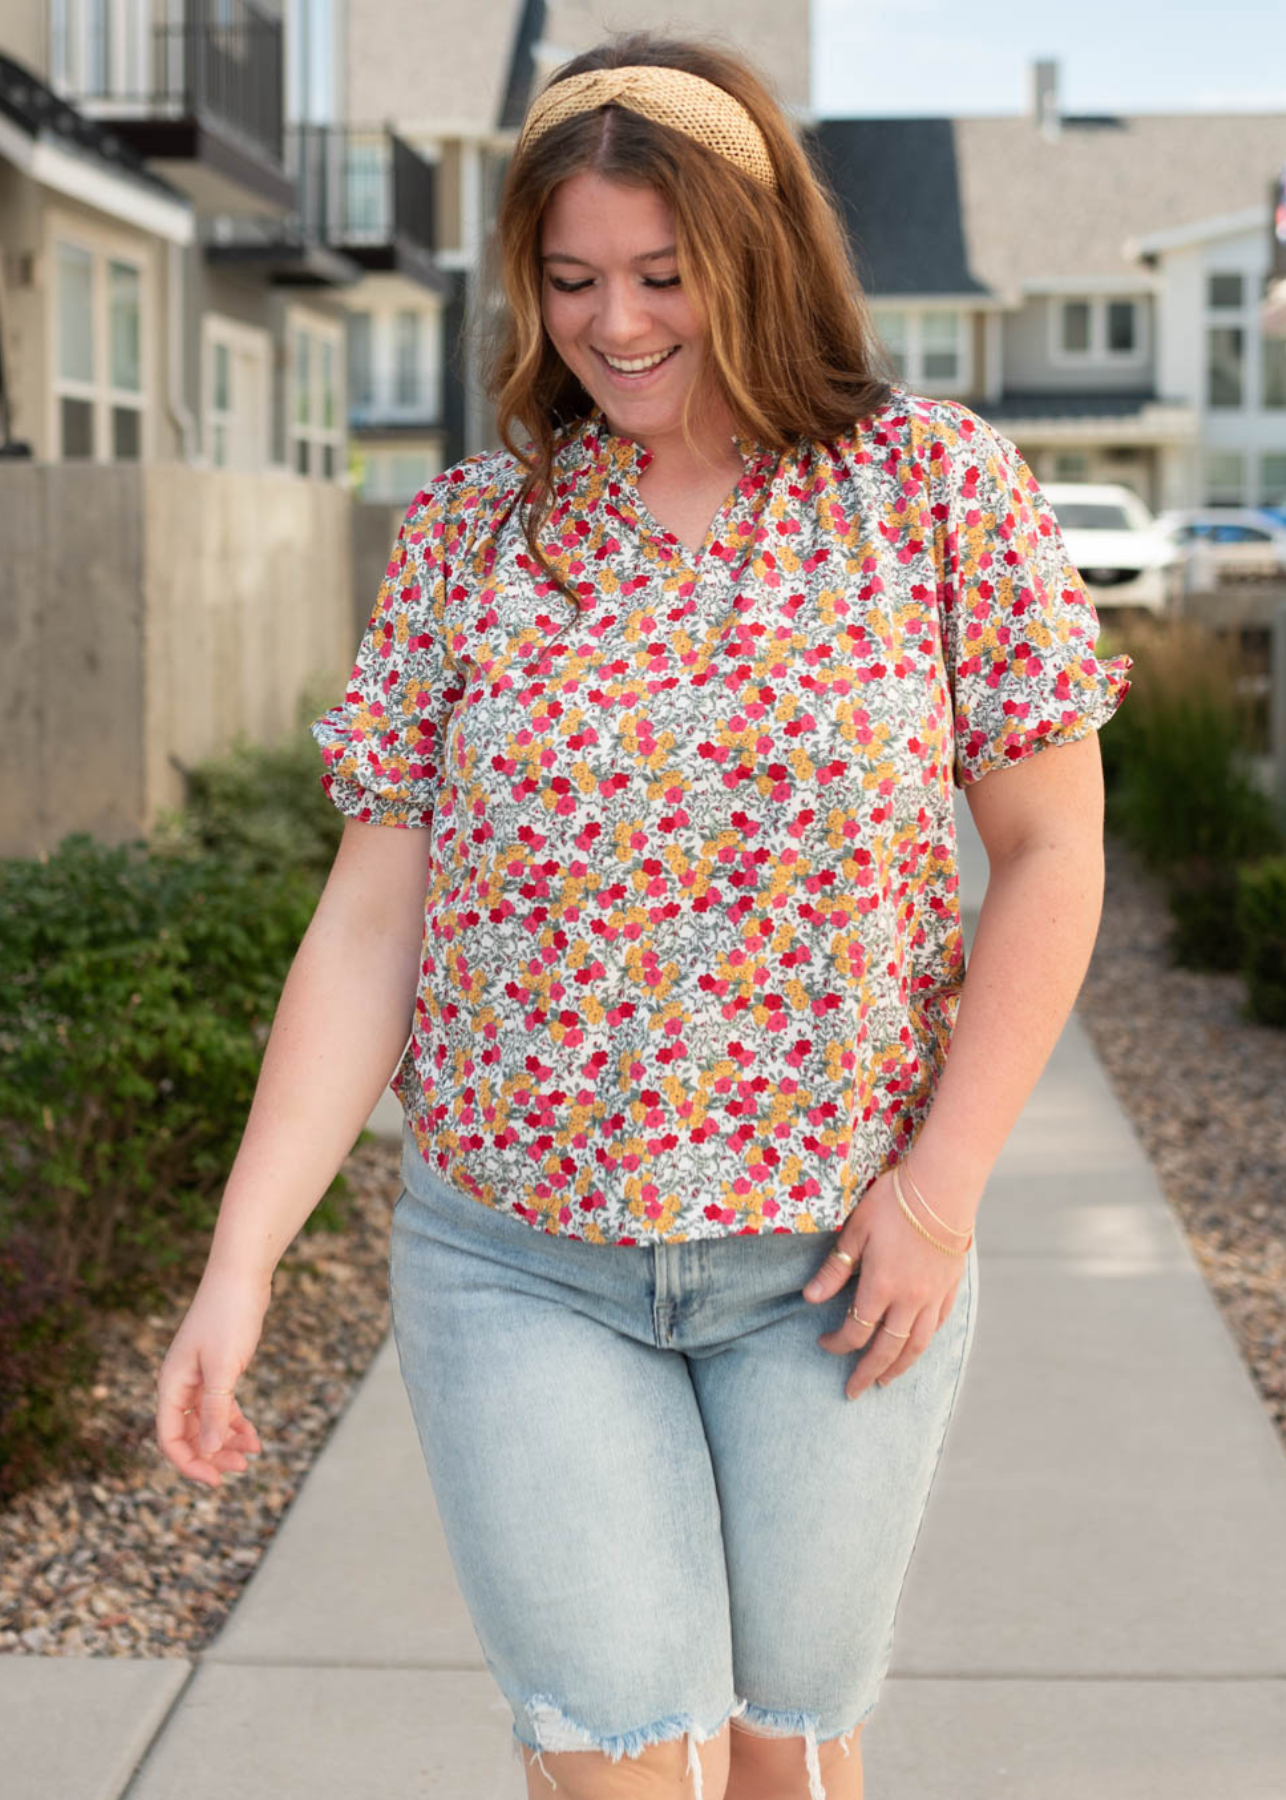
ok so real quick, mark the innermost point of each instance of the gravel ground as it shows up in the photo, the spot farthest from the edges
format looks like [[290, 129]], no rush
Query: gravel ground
[[145, 1564], [1205, 1088]]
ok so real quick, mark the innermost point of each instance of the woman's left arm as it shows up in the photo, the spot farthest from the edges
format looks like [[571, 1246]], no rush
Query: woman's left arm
[[1041, 824]]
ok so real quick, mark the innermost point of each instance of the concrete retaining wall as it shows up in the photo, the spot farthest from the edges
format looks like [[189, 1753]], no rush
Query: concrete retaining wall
[[155, 612]]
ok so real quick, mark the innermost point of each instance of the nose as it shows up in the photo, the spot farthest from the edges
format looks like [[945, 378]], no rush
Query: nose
[[624, 317]]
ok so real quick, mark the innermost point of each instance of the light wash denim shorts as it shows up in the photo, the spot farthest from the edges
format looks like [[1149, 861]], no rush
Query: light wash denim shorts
[[661, 1510]]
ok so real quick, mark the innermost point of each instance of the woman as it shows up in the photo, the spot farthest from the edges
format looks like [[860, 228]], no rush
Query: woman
[[669, 705]]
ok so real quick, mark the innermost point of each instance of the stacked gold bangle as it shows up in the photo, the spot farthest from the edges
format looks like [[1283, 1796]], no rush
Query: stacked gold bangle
[[947, 1249]]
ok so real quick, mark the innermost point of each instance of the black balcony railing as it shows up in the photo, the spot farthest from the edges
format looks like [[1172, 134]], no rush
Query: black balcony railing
[[361, 187], [222, 64]]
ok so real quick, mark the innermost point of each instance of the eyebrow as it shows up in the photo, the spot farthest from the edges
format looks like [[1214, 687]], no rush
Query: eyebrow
[[647, 256]]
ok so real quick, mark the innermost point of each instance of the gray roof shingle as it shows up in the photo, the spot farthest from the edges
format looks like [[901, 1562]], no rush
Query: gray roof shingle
[[958, 206]]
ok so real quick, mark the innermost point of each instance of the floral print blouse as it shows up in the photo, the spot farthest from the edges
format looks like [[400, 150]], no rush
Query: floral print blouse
[[692, 944]]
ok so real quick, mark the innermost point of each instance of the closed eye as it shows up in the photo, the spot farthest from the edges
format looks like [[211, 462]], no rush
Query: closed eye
[[574, 287]]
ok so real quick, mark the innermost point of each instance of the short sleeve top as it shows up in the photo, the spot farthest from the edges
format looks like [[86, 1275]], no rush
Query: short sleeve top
[[692, 942]]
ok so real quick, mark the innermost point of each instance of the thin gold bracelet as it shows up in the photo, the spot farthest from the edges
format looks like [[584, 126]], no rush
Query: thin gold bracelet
[[919, 1194], [947, 1249]]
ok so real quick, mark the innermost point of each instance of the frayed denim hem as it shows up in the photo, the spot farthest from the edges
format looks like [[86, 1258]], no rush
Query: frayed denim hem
[[556, 1732]]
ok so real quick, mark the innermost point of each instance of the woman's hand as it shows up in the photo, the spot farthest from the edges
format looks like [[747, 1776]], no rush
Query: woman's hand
[[902, 1283], [199, 1425]]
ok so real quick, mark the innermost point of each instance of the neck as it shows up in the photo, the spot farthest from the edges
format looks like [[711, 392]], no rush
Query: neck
[[671, 456]]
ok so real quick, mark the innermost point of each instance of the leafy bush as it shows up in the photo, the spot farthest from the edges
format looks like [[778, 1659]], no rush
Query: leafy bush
[[1181, 786], [136, 993], [1184, 785], [46, 1362], [263, 806], [1261, 916]]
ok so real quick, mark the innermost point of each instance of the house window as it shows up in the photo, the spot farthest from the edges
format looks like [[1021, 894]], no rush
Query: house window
[[1272, 478], [1096, 329], [396, 476], [892, 327], [940, 346], [98, 382], [1273, 368], [1121, 328], [235, 406], [100, 48], [1225, 289], [924, 348], [316, 423], [1071, 465], [1225, 478], [1225, 365], [1076, 327]]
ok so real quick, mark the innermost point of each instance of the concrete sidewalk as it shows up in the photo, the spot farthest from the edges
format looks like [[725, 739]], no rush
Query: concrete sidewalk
[[1097, 1604]]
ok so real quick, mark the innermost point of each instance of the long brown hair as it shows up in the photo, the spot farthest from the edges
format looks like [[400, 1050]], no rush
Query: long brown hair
[[790, 338]]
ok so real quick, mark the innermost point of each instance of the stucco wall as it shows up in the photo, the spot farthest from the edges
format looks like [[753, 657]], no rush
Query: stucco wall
[[152, 613]]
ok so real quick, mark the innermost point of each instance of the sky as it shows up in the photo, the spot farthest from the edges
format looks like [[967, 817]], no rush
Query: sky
[[886, 58]]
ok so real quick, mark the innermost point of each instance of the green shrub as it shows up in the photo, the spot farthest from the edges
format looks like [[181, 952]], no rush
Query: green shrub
[[46, 1363], [1181, 787], [136, 993], [1261, 917], [1202, 899], [263, 806]]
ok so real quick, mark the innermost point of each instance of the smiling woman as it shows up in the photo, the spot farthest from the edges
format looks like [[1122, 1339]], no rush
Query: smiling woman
[[672, 690]]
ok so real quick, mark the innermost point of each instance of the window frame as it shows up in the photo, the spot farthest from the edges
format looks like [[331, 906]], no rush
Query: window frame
[[1097, 350], [103, 248], [914, 314], [311, 433], [218, 331], [383, 404]]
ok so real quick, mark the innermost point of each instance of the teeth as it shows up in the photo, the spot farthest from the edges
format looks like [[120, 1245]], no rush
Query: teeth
[[638, 364]]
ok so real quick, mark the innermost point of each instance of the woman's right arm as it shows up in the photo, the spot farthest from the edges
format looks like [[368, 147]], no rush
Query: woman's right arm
[[341, 1024]]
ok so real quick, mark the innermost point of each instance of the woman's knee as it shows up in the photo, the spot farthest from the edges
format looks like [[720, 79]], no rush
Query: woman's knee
[[659, 1772], [764, 1767]]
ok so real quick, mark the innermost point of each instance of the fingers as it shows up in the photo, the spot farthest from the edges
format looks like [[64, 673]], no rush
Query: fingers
[[903, 1352], [885, 1329], [215, 1413], [203, 1434], [835, 1271]]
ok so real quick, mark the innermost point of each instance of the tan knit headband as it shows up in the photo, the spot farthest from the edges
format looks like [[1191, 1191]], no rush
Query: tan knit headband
[[687, 103]]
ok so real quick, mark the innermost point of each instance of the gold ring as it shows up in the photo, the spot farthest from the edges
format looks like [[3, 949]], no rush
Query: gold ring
[[869, 1323], [897, 1334], [843, 1256]]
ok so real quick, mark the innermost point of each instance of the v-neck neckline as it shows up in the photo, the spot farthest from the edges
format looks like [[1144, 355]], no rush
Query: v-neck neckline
[[628, 459]]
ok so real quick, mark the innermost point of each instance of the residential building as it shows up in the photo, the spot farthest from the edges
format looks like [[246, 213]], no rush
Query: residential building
[[457, 99], [174, 499], [1090, 284], [242, 354]]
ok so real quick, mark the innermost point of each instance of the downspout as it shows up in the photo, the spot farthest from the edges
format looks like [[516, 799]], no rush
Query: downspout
[[180, 414]]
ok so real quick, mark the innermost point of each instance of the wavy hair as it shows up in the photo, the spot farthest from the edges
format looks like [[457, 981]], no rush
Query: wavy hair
[[790, 340]]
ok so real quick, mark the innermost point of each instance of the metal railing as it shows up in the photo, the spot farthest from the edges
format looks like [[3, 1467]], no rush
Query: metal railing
[[361, 186], [224, 63]]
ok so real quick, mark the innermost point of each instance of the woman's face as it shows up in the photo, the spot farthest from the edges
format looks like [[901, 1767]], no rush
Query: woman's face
[[611, 294]]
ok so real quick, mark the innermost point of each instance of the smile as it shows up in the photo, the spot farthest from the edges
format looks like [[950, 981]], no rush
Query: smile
[[636, 365]]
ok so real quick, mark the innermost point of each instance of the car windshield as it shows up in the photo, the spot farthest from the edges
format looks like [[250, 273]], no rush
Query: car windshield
[[1092, 515]]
